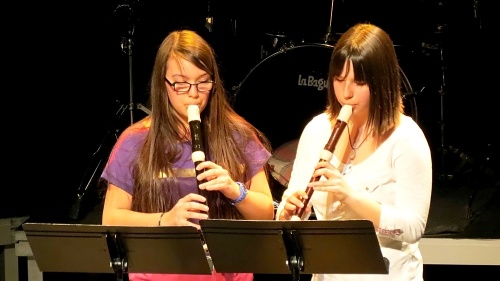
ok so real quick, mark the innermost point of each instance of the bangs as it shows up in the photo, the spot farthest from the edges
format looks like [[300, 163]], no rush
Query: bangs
[[340, 61]]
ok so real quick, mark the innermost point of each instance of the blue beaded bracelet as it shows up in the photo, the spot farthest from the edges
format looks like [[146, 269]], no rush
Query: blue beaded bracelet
[[243, 193]]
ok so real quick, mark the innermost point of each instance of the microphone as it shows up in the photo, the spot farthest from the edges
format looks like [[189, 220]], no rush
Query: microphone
[[327, 153], [198, 154]]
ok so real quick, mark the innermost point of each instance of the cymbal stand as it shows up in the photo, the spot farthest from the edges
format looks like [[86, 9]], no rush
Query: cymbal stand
[[80, 206], [477, 16], [438, 46], [329, 37], [446, 149], [442, 92]]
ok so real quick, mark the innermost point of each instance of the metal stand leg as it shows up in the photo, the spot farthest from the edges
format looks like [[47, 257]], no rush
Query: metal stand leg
[[83, 202], [131, 8], [442, 91]]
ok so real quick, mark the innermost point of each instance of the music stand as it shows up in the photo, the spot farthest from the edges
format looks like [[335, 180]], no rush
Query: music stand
[[87, 248], [296, 247]]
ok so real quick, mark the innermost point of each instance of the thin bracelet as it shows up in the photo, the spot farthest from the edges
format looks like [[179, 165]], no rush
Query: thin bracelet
[[159, 220]]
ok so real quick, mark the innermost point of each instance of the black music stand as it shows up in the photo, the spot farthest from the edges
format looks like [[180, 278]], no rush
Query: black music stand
[[117, 249], [296, 247]]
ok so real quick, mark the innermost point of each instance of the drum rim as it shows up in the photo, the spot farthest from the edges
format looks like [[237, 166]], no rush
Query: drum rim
[[279, 52], [407, 90]]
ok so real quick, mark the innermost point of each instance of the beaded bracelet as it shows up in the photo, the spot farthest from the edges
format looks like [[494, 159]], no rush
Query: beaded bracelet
[[243, 193]]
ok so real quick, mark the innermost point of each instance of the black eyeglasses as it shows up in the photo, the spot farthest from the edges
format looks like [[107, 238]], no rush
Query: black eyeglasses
[[184, 87]]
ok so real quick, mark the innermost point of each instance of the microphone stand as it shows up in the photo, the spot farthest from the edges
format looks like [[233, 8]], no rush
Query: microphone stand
[[126, 45], [80, 207], [329, 37]]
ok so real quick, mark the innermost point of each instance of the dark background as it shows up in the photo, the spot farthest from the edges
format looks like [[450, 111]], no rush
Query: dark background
[[67, 74], [66, 77]]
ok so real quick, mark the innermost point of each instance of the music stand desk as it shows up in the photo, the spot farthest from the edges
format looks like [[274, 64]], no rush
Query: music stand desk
[[117, 249], [297, 247]]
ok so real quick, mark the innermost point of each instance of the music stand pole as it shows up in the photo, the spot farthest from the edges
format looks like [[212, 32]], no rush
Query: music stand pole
[[294, 252]]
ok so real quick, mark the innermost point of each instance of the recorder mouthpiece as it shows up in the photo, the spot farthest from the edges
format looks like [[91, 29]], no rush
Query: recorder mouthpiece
[[193, 112]]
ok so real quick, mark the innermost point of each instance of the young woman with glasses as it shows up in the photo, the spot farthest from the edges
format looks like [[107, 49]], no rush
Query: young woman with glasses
[[151, 177]]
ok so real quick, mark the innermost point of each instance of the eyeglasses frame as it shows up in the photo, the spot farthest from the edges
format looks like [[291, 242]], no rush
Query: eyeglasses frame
[[190, 85]]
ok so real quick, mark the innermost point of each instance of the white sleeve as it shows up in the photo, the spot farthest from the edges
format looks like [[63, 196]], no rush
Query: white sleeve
[[412, 162], [311, 143]]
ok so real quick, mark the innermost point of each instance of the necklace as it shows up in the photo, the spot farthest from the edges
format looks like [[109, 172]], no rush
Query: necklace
[[352, 156]]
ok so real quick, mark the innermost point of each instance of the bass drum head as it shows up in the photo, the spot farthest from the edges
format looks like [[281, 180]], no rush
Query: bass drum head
[[284, 91]]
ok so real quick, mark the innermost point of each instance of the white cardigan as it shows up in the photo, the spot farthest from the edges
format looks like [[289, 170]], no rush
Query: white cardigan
[[398, 175]]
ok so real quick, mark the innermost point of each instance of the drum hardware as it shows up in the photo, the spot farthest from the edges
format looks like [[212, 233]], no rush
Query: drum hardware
[[88, 186], [209, 23], [409, 96], [273, 43], [479, 170], [329, 37], [442, 150], [446, 151], [276, 41], [477, 15], [442, 91], [209, 20]]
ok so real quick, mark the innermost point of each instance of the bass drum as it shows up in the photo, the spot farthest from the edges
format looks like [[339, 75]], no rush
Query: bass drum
[[285, 90]]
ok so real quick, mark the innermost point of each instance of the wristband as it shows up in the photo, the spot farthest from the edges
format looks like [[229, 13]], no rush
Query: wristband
[[243, 193]]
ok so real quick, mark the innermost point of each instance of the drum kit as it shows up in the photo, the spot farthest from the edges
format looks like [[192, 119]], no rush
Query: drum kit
[[288, 87], [291, 77]]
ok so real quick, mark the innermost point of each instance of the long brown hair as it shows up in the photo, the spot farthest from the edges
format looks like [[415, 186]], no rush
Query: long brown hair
[[375, 62], [220, 123]]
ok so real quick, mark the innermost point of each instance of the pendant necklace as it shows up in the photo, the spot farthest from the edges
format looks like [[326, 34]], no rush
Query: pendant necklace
[[352, 155]]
